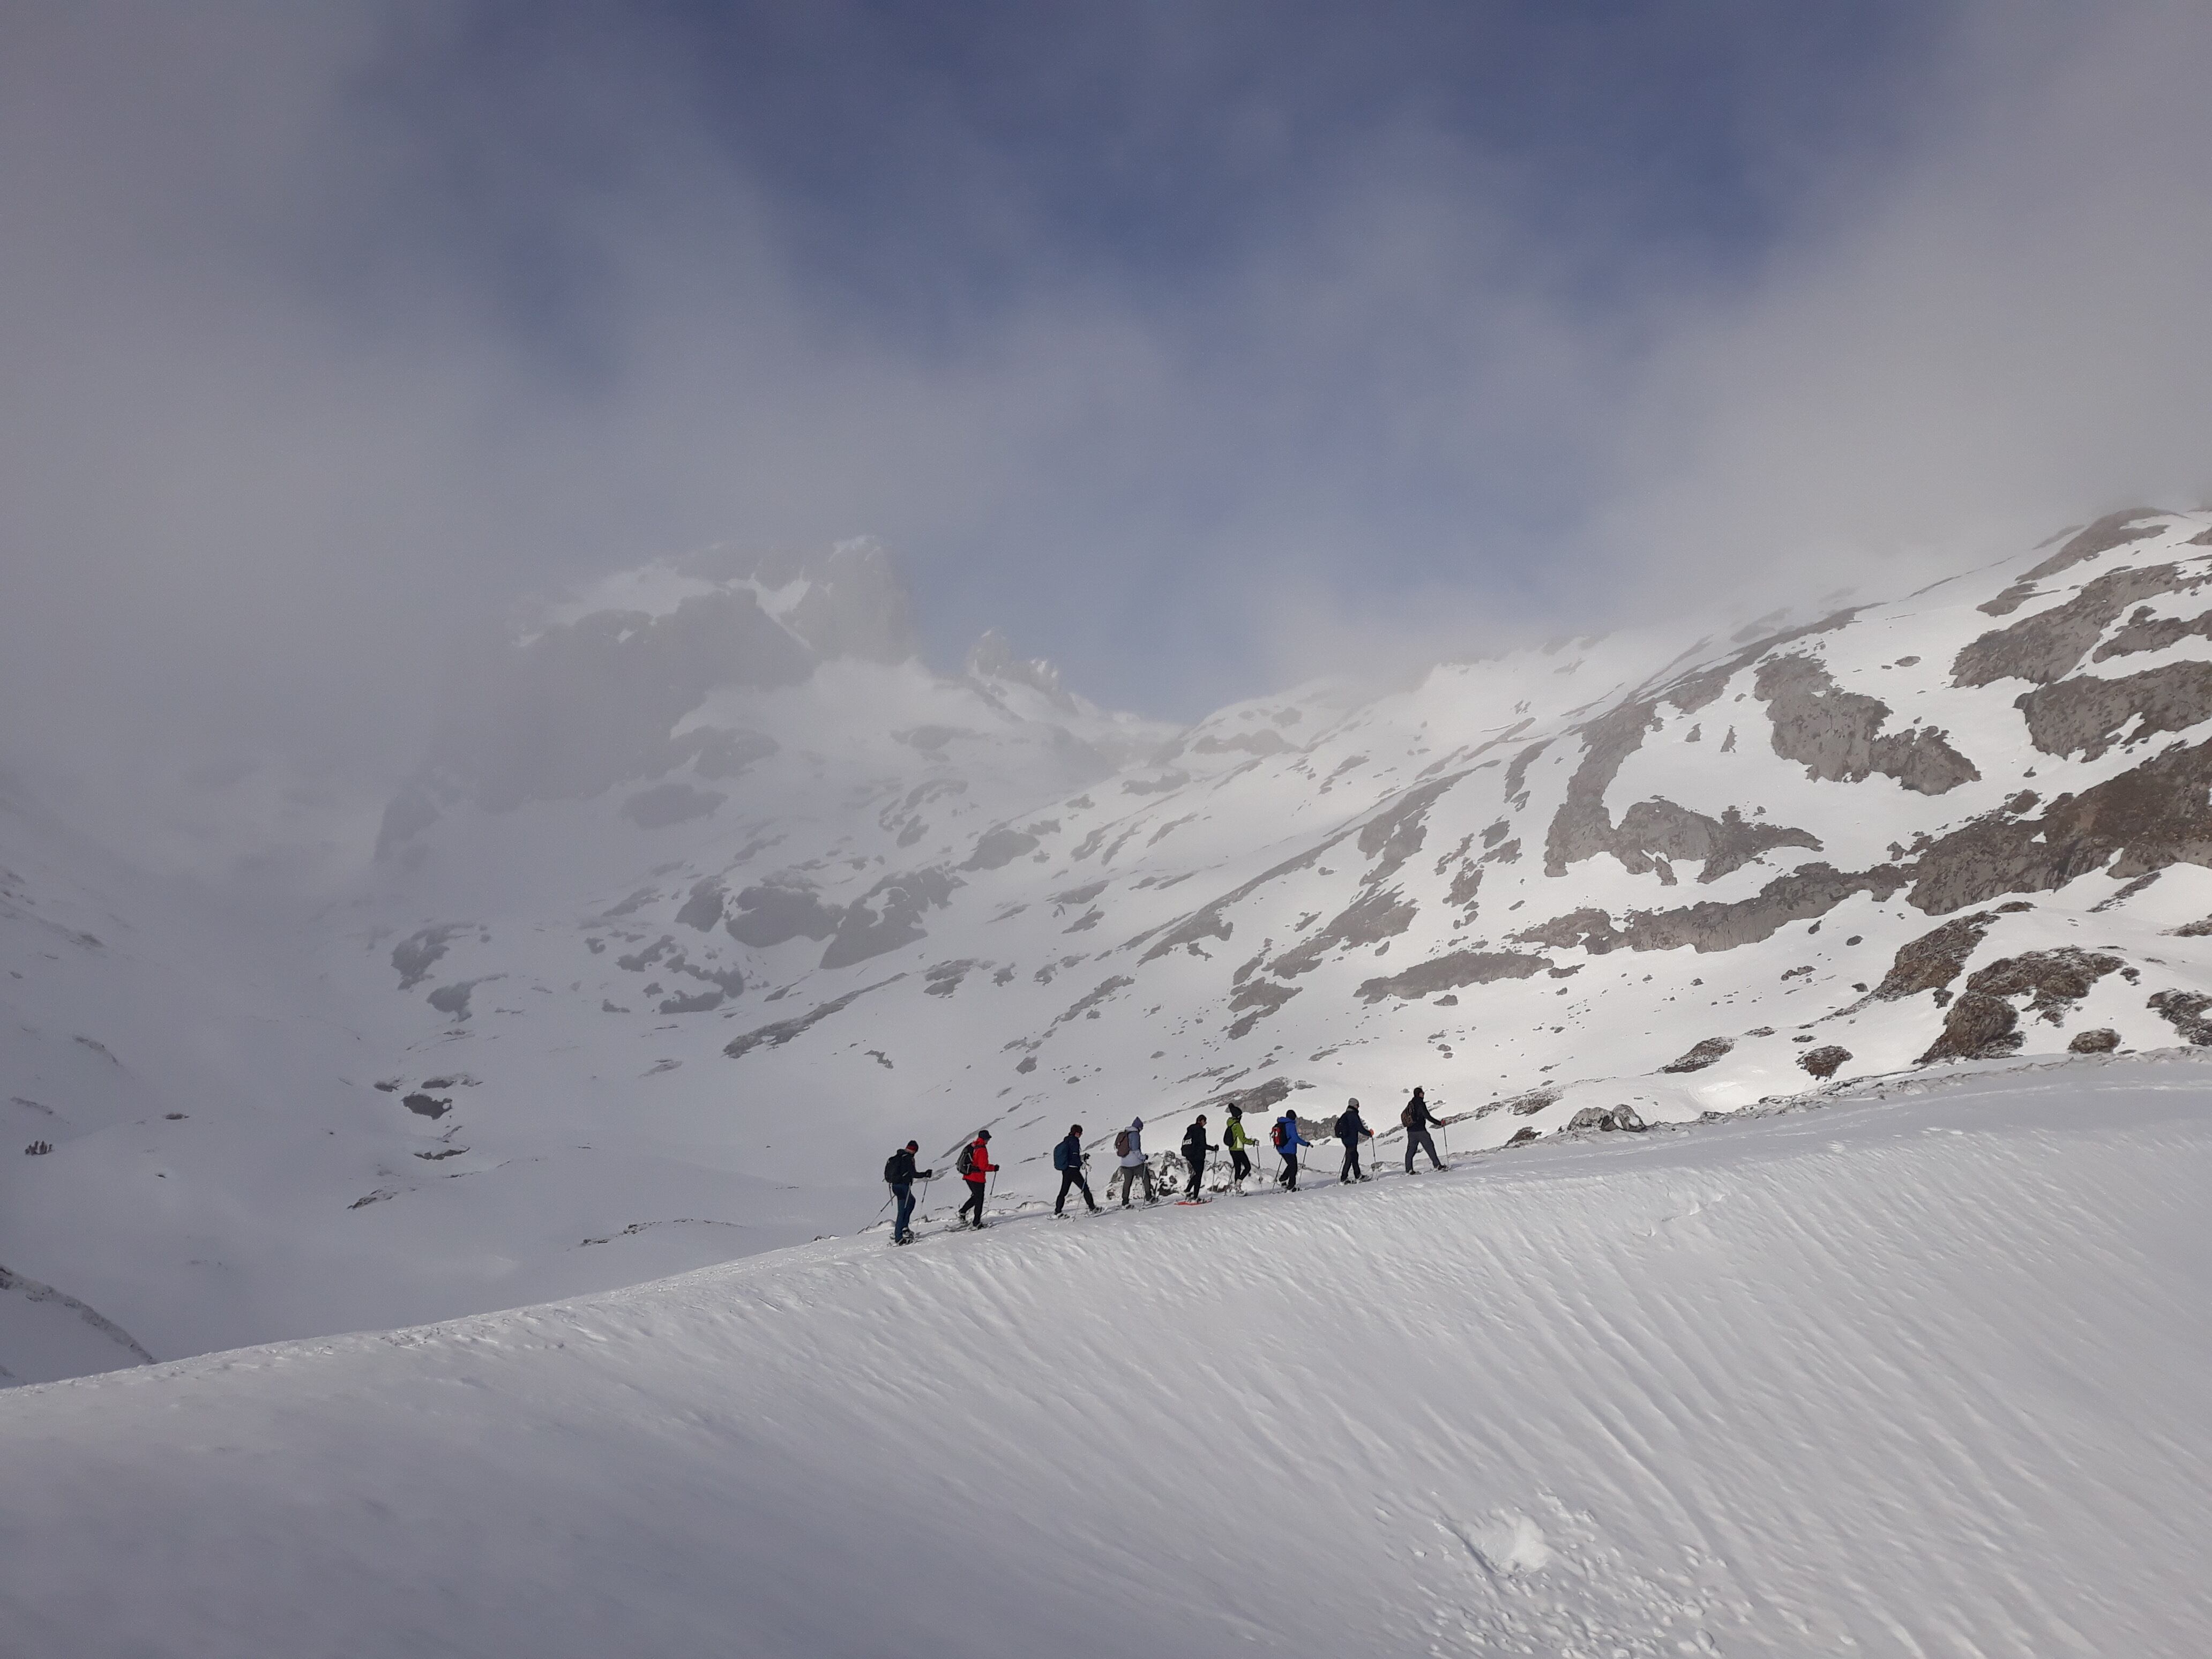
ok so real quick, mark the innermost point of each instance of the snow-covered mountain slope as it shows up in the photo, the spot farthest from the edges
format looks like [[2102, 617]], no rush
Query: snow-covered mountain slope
[[1918, 1372], [1679, 875], [710, 892]]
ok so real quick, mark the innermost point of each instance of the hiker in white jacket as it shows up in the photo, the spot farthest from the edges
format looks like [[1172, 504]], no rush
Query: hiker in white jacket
[[1130, 1144]]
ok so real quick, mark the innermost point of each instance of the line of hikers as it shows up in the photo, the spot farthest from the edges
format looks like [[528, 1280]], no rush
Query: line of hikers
[[1134, 1164]]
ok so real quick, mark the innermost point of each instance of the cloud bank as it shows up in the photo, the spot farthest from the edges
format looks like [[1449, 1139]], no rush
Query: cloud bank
[[1198, 353]]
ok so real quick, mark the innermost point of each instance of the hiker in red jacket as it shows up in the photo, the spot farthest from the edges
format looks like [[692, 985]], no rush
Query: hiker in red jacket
[[976, 1168]]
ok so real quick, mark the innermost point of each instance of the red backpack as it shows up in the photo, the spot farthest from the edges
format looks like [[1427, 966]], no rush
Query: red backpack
[[1277, 1135]]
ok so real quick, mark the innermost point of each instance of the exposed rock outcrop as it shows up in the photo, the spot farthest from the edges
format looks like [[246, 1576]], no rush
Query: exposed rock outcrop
[[2144, 632], [1825, 1060], [772, 912], [421, 951], [889, 914], [1709, 1052], [996, 848], [783, 1030], [1931, 962], [2113, 529], [1837, 736], [2187, 1012], [2143, 820], [1260, 1097], [704, 909], [1527, 1103], [1388, 838], [1982, 1023], [1582, 828], [1723, 845], [1253, 1002], [1374, 915], [1590, 928], [2049, 645], [1807, 892], [1607, 1117], [1449, 973], [2089, 715]]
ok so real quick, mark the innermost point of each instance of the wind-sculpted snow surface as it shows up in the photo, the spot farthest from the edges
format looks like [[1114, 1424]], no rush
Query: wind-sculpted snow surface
[[1918, 1374]]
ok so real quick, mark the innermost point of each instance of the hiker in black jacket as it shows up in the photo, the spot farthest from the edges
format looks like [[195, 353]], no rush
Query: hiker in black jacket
[[1067, 1158], [1352, 1129], [1417, 1117], [1195, 1149], [901, 1175]]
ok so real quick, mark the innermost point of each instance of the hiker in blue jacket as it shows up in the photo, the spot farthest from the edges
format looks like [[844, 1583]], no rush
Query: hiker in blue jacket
[[1067, 1158], [1352, 1129], [1288, 1140]]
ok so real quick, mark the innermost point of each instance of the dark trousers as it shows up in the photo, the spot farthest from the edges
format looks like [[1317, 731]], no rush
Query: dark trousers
[[1197, 1162], [1072, 1178], [1417, 1139], [975, 1199], [1239, 1165], [1290, 1174], [905, 1196], [1351, 1170]]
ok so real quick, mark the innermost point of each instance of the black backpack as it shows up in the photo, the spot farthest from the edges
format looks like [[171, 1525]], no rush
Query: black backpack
[[966, 1165], [891, 1172]]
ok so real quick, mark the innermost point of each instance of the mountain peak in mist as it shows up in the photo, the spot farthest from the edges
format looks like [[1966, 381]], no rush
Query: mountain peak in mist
[[590, 694], [992, 658]]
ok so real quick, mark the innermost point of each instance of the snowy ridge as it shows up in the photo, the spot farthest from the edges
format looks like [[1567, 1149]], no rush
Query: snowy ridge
[[1903, 1374]]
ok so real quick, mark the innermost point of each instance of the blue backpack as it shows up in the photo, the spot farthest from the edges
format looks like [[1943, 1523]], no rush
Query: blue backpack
[[1062, 1158]]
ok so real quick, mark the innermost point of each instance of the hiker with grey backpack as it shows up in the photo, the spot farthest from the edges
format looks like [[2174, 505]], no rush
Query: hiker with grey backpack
[[1129, 1149]]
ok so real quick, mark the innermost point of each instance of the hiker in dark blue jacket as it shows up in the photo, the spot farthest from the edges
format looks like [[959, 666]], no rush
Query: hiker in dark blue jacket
[[1067, 1158], [1417, 1117], [1288, 1140], [1352, 1129], [901, 1175]]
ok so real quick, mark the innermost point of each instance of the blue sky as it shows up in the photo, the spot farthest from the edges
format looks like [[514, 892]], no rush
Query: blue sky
[[1199, 346]]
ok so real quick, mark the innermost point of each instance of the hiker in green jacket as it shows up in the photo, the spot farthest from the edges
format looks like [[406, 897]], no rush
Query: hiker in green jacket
[[1234, 1137]]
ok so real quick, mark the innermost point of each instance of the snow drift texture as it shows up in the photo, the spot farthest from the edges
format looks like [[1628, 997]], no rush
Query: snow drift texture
[[1905, 1376]]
